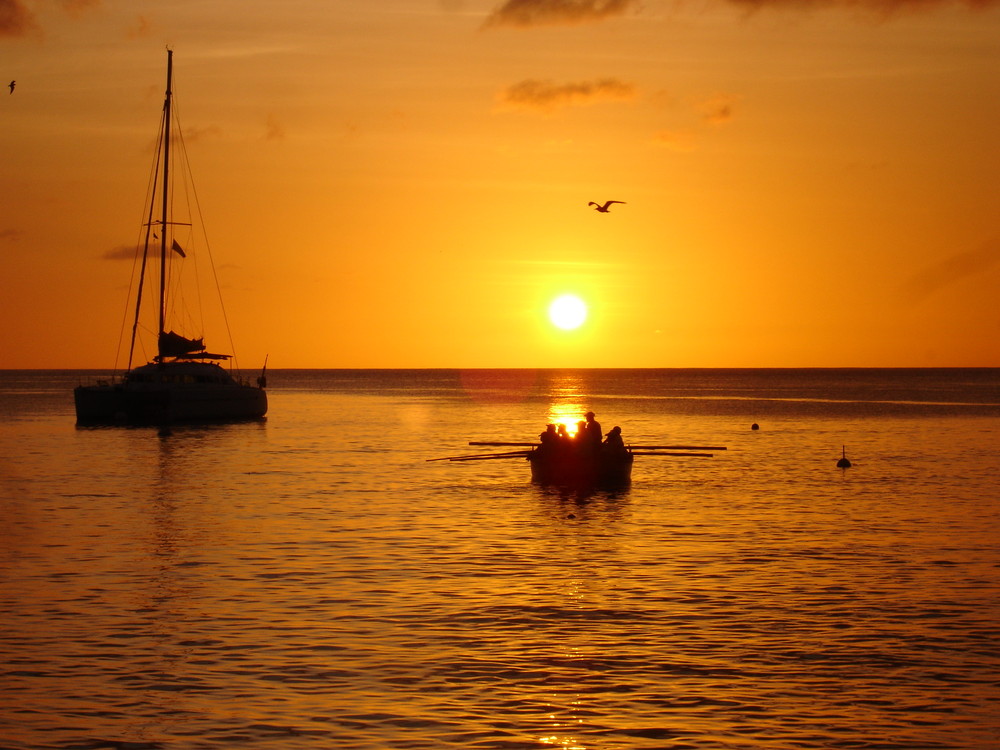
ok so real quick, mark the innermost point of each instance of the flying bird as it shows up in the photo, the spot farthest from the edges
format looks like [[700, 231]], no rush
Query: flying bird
[[603, 209], [11, 86]]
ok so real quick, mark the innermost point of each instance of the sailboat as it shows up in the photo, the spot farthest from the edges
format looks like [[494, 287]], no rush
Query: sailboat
[[183, 382]]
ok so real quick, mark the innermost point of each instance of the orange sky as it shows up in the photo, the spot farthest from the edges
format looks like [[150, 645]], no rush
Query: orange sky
[[404, 183]]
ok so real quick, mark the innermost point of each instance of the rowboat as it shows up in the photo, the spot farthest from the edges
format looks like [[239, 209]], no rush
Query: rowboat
[[566, 462], [569, 465]]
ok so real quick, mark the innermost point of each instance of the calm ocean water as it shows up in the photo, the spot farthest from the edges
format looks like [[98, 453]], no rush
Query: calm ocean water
[[313, 582]]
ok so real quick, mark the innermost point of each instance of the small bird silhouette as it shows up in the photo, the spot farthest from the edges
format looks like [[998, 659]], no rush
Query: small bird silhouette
[[11, 86], [603, 209]]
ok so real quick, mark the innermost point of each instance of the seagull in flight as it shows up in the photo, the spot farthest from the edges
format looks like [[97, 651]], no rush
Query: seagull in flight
[[11, 86], [603, 209]]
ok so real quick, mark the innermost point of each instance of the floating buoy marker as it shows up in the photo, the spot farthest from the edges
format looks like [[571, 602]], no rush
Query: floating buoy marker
[[843, 463], [755, 426]]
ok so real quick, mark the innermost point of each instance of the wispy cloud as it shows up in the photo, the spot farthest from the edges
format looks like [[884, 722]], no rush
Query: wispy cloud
[[18, 19], [880, 7], [122, 252], [75, 7], [15, 18], [10, 235], [718, 109], [681, 141], [141, 30], [525, 14], [546, 96], [195, 134], [274, 130], [951, 270]]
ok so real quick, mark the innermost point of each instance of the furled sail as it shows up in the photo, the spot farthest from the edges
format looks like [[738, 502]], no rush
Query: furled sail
[[174, 345]]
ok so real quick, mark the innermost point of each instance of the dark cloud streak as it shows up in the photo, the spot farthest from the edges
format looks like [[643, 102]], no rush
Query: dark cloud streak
[[122, 252], [952, 270], [878, 7], [525, 14], [546, 96], [15, 18]]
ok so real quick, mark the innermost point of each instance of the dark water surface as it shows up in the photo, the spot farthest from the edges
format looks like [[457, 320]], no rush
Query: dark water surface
[[313, 582]]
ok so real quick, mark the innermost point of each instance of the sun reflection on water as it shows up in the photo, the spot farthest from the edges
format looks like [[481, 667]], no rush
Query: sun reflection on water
[[567, 407]]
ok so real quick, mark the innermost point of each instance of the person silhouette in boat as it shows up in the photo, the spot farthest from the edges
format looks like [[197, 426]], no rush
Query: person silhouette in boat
[[613, 443], [591, 434], [549, 438]]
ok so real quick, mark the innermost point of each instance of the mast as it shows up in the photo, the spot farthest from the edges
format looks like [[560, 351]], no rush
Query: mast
[[166, 201]]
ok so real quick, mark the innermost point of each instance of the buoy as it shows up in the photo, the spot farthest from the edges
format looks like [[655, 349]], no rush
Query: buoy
[[755, 426], [843, 463]]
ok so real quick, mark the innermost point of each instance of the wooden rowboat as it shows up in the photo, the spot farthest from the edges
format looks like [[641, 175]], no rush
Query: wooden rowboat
[[579, 465], [575, 467]]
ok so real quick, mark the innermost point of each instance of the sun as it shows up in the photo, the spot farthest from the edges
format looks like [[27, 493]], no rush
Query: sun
[[568, 312]]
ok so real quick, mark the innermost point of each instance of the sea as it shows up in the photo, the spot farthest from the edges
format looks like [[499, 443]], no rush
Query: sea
[[316, 580]]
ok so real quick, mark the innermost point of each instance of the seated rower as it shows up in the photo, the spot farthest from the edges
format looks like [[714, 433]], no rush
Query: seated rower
[[592, 431], [549, 437], [613, 441]]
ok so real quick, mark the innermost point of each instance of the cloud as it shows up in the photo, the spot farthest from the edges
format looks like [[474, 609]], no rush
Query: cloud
[[952, 270], [10, 235], [546, 96], [525, 14], [122, 252], [75, 7], [275, 131], [719, 109], [880, 7], [15, 18], [141, 30], [195, 134], [680, 141]]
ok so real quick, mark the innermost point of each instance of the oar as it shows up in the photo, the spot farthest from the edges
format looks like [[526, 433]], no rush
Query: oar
[[654, 453], [489, 457], [678, 447], [520, 445], [480, 455]]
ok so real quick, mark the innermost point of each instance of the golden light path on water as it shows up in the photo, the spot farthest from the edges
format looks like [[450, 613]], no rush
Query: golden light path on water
[[567, 407]]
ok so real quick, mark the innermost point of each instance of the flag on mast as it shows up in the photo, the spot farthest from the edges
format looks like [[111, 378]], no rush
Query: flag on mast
[[178, 249]]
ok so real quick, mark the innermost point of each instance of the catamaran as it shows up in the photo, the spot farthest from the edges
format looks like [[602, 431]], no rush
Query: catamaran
[[183, 382]]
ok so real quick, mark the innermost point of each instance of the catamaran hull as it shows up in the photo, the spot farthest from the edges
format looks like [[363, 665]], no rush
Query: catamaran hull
[[602, 469], [134, 404]]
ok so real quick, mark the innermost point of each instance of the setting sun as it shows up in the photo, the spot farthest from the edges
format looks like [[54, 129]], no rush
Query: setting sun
[[568, 312]]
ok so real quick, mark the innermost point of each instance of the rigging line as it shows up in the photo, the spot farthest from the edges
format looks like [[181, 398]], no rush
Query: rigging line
[[208, 247], [142, 241], [186, 178], [150, 201]]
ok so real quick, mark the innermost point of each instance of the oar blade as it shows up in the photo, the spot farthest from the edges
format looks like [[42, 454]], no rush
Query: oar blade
[[467, 456], [490, 458], [678, 447], [686, 454], [503, 445]]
